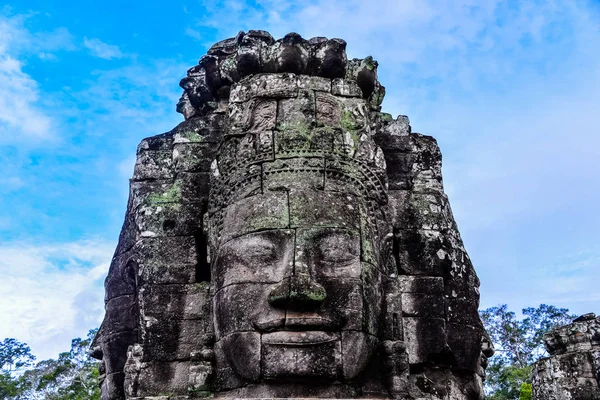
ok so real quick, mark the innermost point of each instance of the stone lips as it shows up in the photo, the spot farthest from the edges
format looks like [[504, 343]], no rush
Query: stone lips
[[267, 111]]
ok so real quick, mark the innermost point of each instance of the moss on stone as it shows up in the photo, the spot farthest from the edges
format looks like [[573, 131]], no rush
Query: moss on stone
[[316, 296], [170, 198], [347, 120], [202, 285], [194, 137], [385, 117]]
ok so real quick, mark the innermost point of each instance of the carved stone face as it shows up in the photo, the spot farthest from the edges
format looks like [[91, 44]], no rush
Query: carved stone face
[[292, 291]]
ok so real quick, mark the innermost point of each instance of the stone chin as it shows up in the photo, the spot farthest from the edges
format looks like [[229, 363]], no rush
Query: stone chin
[[300, 355]]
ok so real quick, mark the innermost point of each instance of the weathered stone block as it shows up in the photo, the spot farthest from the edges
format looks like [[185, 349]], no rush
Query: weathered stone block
[[169, 219], [354, 115], [292, 173], [297, 114], [206, 129], [397, 202], [400, 127], [317, 83], [171, 339], [266, 85], [425, 339], [423, 305], [393, 324], [153, 165], [122, 275], [422, 252], [421, 284], [328, 110], [343, 87], [340, 293], [169, 378], [395, 143], [243, 353], [193, 157], [306, 209], [245, 315], [400, 170], [122, 313], [425, 211], [162, 142], [193, 186], [464, 342], [463, 310], [112, 386], [180, 301], [166, 260], [280, 359], [237, 262], [270, 212], [116, 344], [152, 193], [353, 362]]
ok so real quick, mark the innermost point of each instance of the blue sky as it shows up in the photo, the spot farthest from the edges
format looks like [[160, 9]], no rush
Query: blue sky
[[510, 89]]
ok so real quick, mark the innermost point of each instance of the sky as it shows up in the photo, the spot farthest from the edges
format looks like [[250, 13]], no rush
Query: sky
[[510, 89]]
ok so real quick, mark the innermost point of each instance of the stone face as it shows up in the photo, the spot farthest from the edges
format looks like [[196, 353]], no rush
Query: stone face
[[288, 239], [573, 369]]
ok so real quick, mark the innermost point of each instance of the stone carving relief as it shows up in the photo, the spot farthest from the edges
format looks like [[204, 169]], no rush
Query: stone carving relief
[[573, 369], [288, 239]]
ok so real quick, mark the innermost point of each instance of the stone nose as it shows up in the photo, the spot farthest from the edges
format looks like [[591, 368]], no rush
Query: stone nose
[[299, 293]]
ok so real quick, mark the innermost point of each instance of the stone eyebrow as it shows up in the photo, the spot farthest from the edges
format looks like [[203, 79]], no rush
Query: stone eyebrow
[[271, 238]]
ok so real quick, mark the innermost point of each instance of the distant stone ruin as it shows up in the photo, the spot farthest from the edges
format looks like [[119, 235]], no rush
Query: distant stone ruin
[[289, 239], [572, 372]]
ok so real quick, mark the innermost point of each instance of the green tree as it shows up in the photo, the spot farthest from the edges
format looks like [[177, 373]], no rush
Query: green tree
[[14, 358], [72, 376], [519, 343], [526, 391]]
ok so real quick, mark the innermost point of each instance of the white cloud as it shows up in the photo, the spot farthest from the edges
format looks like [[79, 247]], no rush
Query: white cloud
[[52, 293], [102, 50], [193, 33], [11, 183], [19, 93]]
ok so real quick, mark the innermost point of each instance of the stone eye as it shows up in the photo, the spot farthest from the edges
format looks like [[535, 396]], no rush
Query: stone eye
[[251, 252], [259, 251], [338, 249]]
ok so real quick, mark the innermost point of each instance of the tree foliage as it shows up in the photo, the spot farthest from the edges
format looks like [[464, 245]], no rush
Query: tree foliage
[[14, 357], [519, 343], [72, 376]]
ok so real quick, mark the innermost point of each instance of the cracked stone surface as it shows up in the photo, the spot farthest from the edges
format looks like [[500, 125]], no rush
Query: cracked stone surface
[[289, 239], [572, 372]]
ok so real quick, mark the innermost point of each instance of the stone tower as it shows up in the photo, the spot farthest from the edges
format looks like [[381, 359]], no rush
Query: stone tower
[[573, 369], [289, 239]]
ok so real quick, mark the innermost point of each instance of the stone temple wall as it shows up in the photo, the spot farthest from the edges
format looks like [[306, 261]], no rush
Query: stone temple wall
[[279, 109], [572, 372]]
